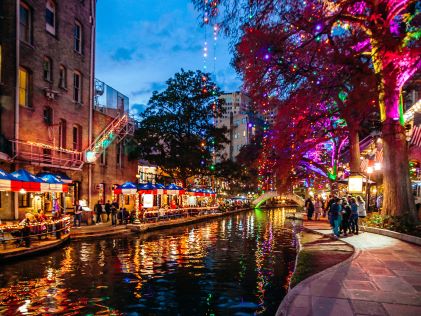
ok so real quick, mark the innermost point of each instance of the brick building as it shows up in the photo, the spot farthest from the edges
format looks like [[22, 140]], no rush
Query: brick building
[[48, 121]]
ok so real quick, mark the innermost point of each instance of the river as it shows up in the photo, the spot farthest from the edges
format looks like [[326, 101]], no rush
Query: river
[[235, 265]]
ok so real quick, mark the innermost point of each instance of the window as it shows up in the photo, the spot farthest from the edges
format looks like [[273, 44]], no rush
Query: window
[[77, 137], [118, 150], [77, 87], [48, 115], [23, 200], [78, 37], [25, 20], [126, 199], [244, 133], [62, 83], [50, 17], [24, 86], [103, 158], [48, 69], [62, 126]]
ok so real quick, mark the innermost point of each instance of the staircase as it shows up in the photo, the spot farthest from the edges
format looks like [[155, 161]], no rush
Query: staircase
[[271, 194], [120, 127]]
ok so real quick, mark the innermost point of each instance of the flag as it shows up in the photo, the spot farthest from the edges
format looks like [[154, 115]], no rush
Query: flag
[[364, 164], [416, 136]]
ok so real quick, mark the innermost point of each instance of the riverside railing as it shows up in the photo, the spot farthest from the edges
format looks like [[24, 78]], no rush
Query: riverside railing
[[34, 233]]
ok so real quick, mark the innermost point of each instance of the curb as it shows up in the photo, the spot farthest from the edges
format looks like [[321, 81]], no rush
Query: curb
[[390, 233], [289, 298]]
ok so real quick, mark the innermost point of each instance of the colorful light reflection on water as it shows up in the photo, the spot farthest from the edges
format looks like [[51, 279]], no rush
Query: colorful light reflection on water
[[237, 265]]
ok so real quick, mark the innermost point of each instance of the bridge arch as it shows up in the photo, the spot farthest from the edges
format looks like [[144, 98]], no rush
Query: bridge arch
[[271, 194]]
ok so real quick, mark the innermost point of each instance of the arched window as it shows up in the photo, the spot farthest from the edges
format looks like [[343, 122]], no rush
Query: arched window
[[50, 17], [77, 87], [62, 83], [62, 133]]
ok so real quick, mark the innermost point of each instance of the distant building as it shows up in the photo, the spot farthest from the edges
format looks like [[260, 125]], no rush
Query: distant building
[[237, 121]]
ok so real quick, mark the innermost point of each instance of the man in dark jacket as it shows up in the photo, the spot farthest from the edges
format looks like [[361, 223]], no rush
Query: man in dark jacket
[[108, 210], [98, 212]]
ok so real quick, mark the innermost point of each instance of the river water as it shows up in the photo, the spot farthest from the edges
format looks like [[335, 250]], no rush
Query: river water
[[236, 265]]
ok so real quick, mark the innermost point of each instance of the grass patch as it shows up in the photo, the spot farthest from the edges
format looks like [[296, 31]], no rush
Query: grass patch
[[317, 254]]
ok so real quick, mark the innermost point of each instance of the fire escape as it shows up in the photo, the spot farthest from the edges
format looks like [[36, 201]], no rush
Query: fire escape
[[48, 155]]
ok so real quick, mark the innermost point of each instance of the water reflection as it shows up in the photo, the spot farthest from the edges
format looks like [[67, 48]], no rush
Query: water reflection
[[235, 265]]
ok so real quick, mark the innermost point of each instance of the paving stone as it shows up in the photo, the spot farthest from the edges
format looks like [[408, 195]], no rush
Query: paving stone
[[302, 301], [324, 306], [402, 310], [359, 285], [393, 284], [368, 308]]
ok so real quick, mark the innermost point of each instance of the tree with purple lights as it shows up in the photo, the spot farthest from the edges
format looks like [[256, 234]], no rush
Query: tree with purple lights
[[385, 32]]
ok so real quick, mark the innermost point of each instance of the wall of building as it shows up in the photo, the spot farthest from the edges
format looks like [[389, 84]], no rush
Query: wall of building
[[111, 172]]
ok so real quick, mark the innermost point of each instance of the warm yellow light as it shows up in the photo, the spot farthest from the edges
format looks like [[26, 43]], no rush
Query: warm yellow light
[[22, 191], [377, 166], [370, 170]]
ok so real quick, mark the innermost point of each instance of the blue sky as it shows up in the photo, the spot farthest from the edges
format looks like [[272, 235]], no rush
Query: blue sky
[[142, 43]]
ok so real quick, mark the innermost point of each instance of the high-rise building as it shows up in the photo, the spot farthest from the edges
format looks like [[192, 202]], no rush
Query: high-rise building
[[237, 121], [47, 92]]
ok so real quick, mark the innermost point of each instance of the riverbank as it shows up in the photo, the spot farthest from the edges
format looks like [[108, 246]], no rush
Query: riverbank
[[37, 247], [147, 227], [382, 277]]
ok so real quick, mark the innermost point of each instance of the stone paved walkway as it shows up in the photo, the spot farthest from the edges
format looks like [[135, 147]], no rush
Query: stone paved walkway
[[383, 277]]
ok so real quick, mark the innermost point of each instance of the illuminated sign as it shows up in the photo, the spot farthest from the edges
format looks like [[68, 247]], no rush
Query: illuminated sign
[[355, 184]]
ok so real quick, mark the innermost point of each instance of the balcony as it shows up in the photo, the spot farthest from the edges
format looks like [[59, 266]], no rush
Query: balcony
[[46, 155]]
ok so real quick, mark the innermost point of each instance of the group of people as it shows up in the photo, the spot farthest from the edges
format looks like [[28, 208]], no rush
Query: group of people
[[343, 213]]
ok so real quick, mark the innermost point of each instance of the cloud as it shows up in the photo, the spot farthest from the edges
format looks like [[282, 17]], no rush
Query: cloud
[[123, 54], [150, 87], [137, 108]]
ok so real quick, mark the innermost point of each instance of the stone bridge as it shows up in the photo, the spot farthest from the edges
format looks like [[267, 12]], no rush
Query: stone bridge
[[271, 194]]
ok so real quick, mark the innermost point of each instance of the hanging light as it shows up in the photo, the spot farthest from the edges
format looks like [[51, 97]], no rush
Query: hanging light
[[22, 191], [377, 166]]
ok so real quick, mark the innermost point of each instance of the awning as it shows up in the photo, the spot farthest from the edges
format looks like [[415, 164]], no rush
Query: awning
[[173, 189], [28, 182], [5, 181], [54, 184], [126, 188], [147, 188]]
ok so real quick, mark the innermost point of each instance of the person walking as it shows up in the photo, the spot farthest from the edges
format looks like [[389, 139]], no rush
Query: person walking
[[354, 216], [108, 210], [113, 215], [335, 217], [362, 212], [98, 211], [326, 210], [310, 208], [346, 216], [318, 206], [78, 215]]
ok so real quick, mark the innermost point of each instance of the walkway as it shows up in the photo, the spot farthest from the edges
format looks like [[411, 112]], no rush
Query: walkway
[[383, 277]]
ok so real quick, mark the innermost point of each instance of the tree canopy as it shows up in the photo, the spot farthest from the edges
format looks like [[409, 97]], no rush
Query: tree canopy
[[177, 132]]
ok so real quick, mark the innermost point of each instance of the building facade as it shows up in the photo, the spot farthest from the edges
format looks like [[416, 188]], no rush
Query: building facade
[[47, 94], [237, 121]]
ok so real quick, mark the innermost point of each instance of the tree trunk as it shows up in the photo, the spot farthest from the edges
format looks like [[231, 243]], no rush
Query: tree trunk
[[397, 193], [354, 148]]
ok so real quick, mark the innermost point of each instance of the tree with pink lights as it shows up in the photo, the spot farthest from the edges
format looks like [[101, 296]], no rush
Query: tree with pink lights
[[385, 32]]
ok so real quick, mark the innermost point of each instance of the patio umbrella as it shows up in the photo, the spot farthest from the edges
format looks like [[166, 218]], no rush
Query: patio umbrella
[[54, 183], [173, 189], [5, 181], [126, 188], [147, 188], [27, 181], [160, 188]]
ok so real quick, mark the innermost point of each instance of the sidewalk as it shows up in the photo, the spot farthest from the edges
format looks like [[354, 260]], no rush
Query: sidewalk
[[383, 277]]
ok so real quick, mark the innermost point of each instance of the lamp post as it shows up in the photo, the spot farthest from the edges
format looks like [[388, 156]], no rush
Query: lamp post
[[377, 167]]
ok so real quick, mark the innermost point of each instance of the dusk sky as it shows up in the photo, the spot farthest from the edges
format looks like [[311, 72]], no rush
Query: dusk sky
[[142, 43]]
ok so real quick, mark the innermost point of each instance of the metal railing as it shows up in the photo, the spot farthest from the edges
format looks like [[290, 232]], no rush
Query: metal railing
[[15, 236]]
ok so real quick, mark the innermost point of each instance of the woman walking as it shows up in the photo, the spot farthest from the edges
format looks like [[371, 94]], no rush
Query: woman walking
[[318, 205], [362, 212], [354, 216]]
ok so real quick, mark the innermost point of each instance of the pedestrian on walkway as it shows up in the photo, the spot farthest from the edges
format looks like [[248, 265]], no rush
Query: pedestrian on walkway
[[318, 206], [335, 216], [328, 205], [310, 208], [108, 210], [346, 216], [78, 215], [98, 211], [354, 216], [113, 215]]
